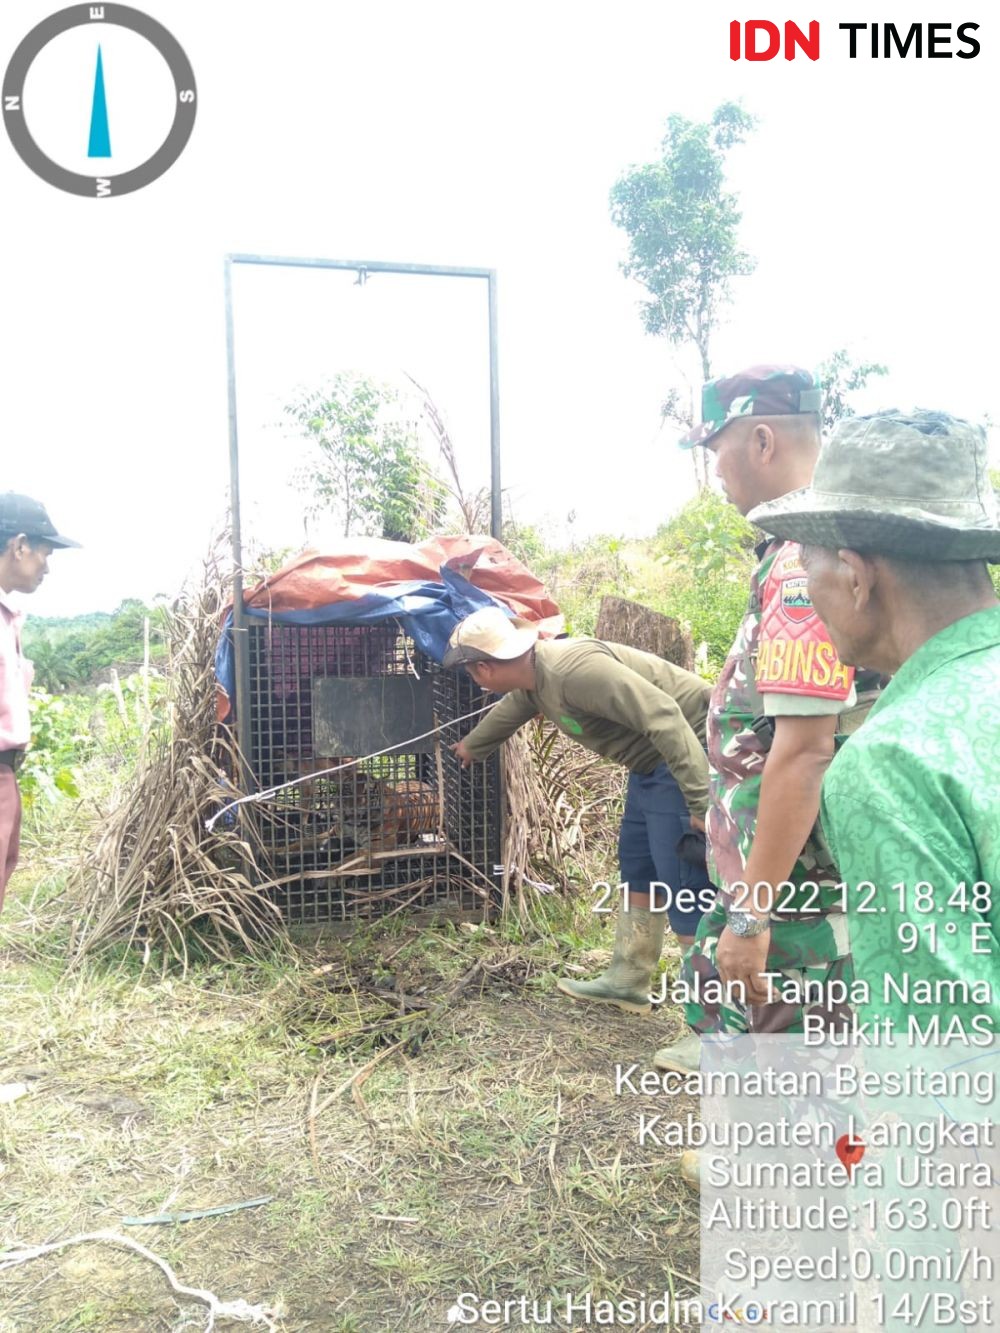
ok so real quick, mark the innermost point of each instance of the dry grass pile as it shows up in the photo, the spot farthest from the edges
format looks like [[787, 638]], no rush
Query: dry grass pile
[[149, 872], [563, 804]]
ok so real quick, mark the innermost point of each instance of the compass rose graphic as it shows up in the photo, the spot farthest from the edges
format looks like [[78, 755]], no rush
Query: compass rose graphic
[[127, 71]]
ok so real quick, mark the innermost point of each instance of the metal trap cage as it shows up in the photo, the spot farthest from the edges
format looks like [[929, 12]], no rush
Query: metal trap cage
[[407, 828]]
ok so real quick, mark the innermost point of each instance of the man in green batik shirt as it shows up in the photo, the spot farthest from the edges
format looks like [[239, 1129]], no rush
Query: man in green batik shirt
[[897, 528]]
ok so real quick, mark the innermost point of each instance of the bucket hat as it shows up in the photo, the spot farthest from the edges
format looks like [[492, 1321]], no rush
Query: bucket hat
[[914, 485]]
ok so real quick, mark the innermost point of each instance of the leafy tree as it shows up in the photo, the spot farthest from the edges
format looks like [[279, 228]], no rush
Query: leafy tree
[[367, 466], [681, 223], [840, 377], [119, 643]]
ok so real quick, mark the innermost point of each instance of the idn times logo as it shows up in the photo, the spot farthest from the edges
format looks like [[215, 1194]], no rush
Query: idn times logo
[[761, 39]]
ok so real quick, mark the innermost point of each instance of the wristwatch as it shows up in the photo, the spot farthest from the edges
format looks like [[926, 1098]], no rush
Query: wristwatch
[[745, 924]]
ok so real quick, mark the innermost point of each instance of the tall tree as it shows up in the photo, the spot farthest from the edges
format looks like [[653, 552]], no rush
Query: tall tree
[[366, 465], [682, 225]]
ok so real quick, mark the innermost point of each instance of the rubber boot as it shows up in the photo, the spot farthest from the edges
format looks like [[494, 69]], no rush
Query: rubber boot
[[625, 984], [683, 1056]]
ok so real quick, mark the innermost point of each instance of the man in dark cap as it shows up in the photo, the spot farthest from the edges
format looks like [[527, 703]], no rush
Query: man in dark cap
[[770, 735], [27, 539], [896, 529]]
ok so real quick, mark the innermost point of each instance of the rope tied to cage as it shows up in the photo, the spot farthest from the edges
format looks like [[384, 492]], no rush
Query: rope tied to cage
[[255, 797]]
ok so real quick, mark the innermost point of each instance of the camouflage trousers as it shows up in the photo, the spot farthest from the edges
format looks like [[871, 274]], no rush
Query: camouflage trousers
[[809, 952]]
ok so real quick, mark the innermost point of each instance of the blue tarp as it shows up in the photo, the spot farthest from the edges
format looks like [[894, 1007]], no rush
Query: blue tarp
[[428, 612]]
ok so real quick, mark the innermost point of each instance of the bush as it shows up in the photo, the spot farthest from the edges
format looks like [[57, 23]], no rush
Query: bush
[[707, 552], [580, 577], [67, 730], [525, 543], [61, 739], [129, 711], [713, 608]]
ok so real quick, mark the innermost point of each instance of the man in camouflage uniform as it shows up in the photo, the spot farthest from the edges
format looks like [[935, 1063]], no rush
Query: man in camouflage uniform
[[770, 733]]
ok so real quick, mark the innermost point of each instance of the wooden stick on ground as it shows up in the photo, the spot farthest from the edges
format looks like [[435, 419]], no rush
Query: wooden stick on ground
[[239, 1310]]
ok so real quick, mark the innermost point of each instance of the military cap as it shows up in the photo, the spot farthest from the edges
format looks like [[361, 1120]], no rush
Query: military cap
[[760, 391], [913, 485]]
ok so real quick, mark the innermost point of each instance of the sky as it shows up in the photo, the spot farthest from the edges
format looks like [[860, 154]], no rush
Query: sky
[[482, 135]]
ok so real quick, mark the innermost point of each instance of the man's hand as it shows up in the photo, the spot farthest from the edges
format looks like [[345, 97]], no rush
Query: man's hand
[[462, 753], [744, 960], [697, 823]]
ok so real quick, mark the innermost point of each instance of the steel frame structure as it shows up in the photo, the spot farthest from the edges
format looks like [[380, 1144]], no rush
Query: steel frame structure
[[362, 268]]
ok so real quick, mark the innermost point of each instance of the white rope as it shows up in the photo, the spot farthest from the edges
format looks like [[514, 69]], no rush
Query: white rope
[[254, 797], [239, 1310], [406, 649], [542, 888]]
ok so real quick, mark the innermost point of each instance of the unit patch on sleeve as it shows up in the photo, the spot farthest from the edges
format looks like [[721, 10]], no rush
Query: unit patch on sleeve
[[795, 654]]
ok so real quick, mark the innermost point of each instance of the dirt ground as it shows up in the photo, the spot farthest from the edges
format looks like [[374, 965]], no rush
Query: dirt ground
[[485, 1152]]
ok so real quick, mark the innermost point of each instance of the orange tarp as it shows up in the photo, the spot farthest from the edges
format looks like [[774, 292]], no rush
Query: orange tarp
[[361, 564]]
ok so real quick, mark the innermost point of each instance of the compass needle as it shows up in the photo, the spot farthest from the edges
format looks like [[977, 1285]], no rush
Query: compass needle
[[100, 134]]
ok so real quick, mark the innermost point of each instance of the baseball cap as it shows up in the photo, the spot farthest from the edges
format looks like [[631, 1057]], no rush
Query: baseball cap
[[19, 513], [759, 391], [489, 635]]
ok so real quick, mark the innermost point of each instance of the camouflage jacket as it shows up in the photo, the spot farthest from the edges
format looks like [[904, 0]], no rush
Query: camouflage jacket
[[780, 627]]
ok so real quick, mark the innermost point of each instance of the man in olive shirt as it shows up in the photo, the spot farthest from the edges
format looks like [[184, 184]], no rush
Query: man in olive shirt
[[896, 532], [638, 710]]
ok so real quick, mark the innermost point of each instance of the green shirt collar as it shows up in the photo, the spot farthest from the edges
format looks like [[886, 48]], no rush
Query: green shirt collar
[[967, 635], [541, 672]]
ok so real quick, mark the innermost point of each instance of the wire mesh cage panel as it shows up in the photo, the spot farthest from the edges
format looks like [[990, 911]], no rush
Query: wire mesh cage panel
[[409, 827]]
